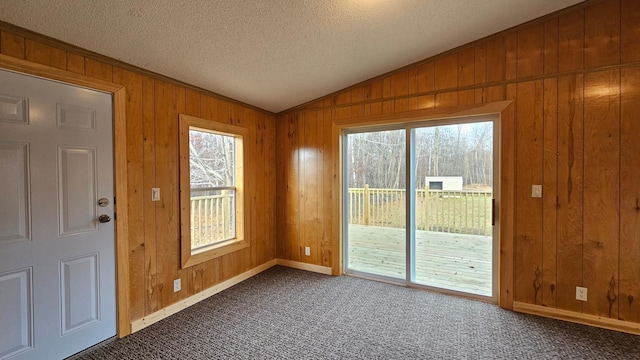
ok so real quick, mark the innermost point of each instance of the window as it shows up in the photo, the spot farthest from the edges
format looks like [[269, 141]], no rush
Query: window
[[211, 189]]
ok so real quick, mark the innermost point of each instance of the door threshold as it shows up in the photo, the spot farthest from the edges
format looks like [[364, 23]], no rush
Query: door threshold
[[403, 283]]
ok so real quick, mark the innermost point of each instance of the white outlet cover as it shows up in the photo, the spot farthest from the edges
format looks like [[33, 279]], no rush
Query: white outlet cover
[[307, 251], [581, 293], [177, 285]]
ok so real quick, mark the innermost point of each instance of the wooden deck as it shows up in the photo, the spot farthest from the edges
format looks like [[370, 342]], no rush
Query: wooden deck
[[448, 261]]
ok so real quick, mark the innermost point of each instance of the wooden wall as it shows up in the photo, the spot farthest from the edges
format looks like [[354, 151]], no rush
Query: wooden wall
[[152, 107], [574, 79]]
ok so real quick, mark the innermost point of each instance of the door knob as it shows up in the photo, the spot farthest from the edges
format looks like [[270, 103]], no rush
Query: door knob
[[104, 218]]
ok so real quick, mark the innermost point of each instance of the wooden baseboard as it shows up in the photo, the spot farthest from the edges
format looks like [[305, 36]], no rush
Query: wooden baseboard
[[142, 323], [185, 303], [585, 319], [304, 266]]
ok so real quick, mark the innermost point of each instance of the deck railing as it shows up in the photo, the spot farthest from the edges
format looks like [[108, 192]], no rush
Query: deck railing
[[462, 212], [211, 218]]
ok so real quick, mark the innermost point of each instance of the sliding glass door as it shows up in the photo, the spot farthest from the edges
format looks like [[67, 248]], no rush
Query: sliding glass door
[[454, 193], [419, 205], [375, 203]]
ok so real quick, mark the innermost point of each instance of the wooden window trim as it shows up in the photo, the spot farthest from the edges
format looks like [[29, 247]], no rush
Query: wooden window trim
[[188, 256]]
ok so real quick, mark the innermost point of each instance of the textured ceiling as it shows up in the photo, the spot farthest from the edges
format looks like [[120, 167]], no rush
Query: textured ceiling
[[273, 54]]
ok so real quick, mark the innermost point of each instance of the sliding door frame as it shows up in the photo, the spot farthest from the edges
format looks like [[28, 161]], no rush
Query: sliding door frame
[[410, 203], [504, 128]]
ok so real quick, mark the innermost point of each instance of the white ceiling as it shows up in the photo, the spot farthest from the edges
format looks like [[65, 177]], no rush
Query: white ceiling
[[273, 54]]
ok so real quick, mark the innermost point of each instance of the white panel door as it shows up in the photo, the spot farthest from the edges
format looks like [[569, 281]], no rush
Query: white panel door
[[57, 261]]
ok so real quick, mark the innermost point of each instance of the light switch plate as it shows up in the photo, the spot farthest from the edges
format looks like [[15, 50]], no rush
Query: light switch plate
[[155, 194], [536, 191]]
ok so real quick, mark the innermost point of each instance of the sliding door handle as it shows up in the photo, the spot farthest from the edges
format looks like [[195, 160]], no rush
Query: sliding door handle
[[493, 212]]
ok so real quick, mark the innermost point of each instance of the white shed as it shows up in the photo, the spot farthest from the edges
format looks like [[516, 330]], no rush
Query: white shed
[[447, 183]]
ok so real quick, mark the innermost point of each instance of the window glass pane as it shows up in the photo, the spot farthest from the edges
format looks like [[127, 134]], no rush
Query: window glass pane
[[211, 159], [212, 217], [212, 179], [376, 203]]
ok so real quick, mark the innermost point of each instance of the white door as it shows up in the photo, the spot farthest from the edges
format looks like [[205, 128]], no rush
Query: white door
[[57, 264]]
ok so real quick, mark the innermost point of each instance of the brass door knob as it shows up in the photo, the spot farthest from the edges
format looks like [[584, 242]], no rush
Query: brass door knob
[[104, 218]]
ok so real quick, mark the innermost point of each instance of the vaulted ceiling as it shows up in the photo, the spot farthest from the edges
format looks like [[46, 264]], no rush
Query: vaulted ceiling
[[273, 54]]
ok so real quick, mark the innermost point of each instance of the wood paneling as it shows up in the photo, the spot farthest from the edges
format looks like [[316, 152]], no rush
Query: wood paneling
[[630, 31], [135, 148], [530, 51], [44, 54], [97, 69], [149, 179], [149, 139], [12, 45], [446, 72], [550, 192], [507, 200], [630, 196], [327, 245], [571, 128], [495, 59], [551, 46], [426, 77], [167, 223], [480, 66], [570, 61], [310, 188], [466, 67], [570, 184], [75, 63], [448, 99], [601, 192], [528, 240], [571, 41], [511, 55], [292, 203], [602, 34]]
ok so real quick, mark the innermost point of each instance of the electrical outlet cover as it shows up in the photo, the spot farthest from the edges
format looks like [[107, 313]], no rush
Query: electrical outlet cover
[[177, 285], [581, 293]]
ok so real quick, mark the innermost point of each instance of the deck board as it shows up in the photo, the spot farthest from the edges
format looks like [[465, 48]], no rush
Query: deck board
[[450, 261]]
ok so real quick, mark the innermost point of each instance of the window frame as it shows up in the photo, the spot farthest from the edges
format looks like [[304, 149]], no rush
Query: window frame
[[189, 257]]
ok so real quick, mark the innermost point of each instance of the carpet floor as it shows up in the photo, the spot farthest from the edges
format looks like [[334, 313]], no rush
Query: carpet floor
[[284, 313]]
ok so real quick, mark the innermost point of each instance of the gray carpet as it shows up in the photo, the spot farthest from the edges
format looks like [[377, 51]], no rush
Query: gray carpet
[[290, 314]]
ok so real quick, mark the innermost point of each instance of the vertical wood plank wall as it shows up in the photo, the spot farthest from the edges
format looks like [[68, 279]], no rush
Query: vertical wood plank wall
[[152, 108], [574, 79]]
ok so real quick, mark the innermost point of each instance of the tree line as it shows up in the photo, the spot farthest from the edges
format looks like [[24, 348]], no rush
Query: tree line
[[378, 158]]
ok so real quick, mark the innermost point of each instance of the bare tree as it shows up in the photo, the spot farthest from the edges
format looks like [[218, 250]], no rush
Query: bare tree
[[211, 159], [378, 158]]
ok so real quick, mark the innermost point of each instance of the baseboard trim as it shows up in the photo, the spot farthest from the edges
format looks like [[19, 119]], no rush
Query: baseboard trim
[[153, 318], [185, 303], [304, 266], [585, 319]]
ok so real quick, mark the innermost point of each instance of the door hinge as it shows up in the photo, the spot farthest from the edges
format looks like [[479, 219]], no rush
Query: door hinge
[[114, 200]]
